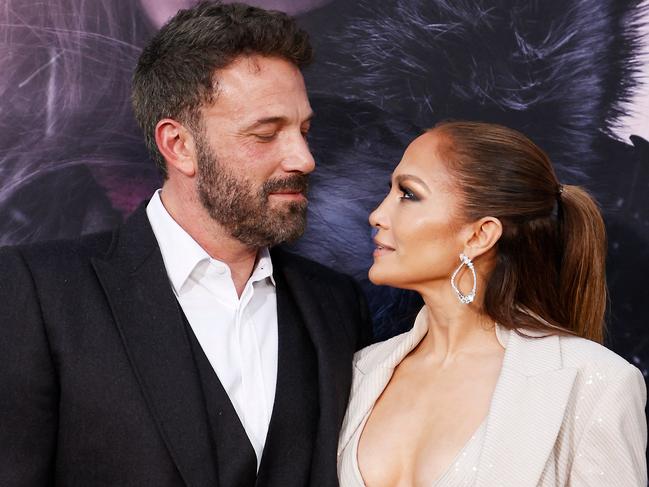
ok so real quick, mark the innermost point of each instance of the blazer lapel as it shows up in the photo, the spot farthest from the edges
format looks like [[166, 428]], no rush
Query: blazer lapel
[[373, 369], [526, 413], [316, 308], [146, 313]]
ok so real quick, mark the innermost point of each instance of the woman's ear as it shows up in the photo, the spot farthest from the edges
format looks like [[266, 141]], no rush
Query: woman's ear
[[176, 145], [483, 236]]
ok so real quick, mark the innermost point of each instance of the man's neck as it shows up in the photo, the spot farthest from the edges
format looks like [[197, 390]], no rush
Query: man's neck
[[218, 243]]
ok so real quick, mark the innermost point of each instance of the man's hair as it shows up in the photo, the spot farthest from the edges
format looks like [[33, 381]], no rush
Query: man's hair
[[175, 74]]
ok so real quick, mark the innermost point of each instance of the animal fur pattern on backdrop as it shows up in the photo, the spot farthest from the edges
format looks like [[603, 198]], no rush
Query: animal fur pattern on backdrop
[[562, 71]]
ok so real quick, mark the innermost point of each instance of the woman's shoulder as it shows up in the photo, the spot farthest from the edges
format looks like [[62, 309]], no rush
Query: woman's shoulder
[[599, 370], [575, 352], [585, 354]]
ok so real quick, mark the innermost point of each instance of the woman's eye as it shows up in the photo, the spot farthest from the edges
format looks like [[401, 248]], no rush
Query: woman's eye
[[407, 194]]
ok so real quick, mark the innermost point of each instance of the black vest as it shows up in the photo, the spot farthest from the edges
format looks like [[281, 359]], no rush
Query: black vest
[[286, 460]]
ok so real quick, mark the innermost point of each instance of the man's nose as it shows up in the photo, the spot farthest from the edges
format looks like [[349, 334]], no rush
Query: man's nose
[[298, 156]]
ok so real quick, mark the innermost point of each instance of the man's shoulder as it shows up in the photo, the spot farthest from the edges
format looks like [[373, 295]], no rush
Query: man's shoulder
[[60, 252]]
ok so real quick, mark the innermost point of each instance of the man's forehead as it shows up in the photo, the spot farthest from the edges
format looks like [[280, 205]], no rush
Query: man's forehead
[[257, 76], [254, 67], [260, 87]]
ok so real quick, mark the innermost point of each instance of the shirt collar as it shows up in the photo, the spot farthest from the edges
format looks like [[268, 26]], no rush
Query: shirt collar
[[181, 253], [264, 267]]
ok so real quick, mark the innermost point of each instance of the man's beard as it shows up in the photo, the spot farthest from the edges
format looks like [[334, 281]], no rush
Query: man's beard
[[244, 212]]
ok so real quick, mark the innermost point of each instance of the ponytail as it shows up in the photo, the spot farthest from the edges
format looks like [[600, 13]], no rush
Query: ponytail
[[582, 275], [549, 272]]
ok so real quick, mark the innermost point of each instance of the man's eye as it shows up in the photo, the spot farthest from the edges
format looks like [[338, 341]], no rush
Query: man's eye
[[266, 137]]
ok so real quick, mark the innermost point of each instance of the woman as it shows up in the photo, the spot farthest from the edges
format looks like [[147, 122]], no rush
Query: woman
[[501, 380]]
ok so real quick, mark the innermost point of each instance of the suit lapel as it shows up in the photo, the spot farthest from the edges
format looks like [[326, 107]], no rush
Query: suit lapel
[[146, 313], [526, 413], [287, 456], [373, 369], [315, 306]]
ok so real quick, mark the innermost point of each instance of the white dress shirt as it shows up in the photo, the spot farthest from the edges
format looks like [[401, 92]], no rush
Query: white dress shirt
[[238, 335]]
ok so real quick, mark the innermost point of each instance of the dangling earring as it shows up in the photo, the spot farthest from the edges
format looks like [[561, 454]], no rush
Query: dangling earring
[[468, 298]]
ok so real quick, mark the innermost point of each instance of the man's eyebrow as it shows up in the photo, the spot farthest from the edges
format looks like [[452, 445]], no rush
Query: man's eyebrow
[[405, 177], [266, 121], [274, 120]]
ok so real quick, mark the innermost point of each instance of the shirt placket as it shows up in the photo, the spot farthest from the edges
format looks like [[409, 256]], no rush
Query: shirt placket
[[251, 375]]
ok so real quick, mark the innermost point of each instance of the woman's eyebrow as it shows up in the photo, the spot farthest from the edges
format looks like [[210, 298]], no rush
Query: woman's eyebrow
[[401, 178]]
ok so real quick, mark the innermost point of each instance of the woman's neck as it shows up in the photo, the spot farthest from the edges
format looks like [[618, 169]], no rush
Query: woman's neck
[[455, 329]]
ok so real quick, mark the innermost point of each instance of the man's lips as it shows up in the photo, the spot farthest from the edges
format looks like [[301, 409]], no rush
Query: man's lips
[[290, 194]]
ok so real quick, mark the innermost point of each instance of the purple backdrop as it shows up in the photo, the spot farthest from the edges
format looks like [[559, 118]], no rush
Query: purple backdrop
[[566, 72]]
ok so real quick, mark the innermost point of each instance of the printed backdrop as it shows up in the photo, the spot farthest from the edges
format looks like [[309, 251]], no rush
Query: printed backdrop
[[569, 73]]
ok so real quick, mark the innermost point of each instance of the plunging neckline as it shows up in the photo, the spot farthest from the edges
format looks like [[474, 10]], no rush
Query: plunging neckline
[[473, 446], [470, 450]]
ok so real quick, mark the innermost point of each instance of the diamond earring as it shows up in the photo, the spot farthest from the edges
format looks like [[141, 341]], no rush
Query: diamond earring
[[465, 298]]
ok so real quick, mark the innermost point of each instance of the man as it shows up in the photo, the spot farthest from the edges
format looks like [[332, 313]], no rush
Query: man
[[179, 350]]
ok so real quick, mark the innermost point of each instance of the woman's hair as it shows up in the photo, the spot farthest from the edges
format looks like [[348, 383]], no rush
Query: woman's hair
[[550, 266]]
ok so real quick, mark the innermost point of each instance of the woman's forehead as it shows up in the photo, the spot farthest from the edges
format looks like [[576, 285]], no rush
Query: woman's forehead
[[423, 158]]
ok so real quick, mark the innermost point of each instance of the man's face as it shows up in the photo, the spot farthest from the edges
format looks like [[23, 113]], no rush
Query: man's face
[[252, 156]]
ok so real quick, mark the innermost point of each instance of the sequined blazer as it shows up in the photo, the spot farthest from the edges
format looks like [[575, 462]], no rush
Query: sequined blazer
[[565, 411]]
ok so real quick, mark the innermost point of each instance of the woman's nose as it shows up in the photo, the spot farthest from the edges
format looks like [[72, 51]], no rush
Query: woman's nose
[[378, 218]]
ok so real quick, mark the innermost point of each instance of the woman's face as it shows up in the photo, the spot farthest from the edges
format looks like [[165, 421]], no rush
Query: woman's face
[[420, 233]]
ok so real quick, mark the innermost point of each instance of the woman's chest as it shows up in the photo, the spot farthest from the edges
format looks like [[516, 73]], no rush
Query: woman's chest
[[417, 428]]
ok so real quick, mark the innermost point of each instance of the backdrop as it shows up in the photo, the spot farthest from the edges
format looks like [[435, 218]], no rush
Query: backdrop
[[566, 72]]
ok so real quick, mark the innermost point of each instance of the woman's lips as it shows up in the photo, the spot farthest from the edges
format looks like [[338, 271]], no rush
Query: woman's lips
[[381, 249]]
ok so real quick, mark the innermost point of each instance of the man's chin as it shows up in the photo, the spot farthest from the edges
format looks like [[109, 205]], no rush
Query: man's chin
[[295, 204], [277, 228], [290, 229]]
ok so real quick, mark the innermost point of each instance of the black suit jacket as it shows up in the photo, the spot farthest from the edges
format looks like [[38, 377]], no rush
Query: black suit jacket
[[98, 386]]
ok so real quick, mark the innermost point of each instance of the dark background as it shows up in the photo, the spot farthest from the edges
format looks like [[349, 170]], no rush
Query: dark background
[[565, 72]]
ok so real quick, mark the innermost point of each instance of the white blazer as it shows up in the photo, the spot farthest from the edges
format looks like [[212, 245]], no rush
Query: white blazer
[[565, 411]]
